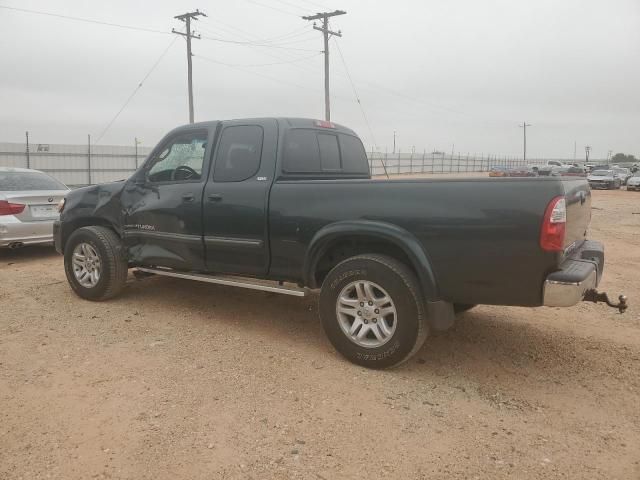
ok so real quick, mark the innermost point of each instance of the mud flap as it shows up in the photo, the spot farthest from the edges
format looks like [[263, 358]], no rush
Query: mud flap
[[441, 315]]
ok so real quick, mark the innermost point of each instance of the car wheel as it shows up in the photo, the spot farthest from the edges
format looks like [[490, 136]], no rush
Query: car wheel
[[94, 263], [372, 311]]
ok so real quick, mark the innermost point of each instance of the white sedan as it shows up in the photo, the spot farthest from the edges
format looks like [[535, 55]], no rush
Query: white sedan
[[28, 206]]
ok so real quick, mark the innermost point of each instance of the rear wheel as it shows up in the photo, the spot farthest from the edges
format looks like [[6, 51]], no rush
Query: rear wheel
[[372, 311], [94, 263]]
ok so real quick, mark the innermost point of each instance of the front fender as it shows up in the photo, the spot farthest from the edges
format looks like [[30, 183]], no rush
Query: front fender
[[387, 232]]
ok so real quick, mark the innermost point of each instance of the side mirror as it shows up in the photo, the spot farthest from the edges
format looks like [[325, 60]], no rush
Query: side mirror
[[140, 178]]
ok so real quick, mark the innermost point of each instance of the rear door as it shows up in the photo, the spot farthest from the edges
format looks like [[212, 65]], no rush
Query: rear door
[[236, 197]]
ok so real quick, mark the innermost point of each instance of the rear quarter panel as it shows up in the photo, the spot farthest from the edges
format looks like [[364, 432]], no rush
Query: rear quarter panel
[[481, 235]]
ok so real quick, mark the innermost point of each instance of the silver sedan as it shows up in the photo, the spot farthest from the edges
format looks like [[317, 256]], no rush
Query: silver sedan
[[28, 206]]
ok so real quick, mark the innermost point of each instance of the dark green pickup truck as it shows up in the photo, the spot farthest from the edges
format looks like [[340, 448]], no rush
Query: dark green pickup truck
[[291, 201]]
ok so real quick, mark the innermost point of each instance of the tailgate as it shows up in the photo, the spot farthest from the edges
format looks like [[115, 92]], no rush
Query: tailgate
[[578, 198]]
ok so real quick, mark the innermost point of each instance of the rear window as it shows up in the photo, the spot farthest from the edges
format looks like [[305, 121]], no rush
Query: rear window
[[18, 181], [312, 151]]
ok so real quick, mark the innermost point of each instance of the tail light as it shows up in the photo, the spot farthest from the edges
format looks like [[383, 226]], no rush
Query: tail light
[[7, 208], [554, 225]]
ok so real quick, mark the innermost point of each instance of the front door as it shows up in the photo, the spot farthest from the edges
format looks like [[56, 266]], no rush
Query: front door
[[163, 204], [236, 197]]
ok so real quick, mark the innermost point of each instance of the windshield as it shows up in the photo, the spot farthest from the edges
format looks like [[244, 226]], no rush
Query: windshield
[[601, 173], [624, 171], [22, 181]]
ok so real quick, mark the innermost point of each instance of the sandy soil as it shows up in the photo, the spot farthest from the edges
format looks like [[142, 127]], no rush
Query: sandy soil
[[176, 379]]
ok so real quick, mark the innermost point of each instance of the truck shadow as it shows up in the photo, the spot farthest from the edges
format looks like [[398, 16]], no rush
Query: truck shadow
[[27, 254], [497, 347]]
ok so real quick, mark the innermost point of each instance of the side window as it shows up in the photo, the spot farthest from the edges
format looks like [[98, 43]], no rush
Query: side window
[[180, 159], [329, 152], [354, 158], [239, 153], [301, 152]]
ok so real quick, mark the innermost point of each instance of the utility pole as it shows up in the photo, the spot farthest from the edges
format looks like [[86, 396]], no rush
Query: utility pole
[[574, 150], [524, 126], [186, 18], [394, 141], [324, 16], [26, 134], [137, 142]]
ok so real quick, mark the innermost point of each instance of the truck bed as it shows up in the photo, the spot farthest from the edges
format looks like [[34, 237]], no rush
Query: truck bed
[[480, 234]]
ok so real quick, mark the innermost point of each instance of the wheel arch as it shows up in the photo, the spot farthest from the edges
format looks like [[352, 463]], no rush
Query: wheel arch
[[68, 227], [367, 236]]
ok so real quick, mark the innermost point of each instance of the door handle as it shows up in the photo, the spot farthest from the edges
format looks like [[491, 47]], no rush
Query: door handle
[[215, 197], [188, 197]]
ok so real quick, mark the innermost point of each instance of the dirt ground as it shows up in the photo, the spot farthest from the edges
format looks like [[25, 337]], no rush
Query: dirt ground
[[177, 379]]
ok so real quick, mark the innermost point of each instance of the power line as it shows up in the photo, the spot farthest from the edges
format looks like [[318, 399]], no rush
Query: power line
[[287, 62], [166, 50], [236, 67], [271, 7], [86, 20], [281, 54], [364, 115], [254, 44]]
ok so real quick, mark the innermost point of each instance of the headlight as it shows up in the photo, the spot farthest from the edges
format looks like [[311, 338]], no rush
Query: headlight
[[60, 206]]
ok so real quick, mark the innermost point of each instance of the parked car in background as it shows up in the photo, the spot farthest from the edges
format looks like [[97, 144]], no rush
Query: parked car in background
[[575, 172], [28, 206], [499, 172], [552, 166], [634, 182], [522, 172], [604, 179], [623, 174]]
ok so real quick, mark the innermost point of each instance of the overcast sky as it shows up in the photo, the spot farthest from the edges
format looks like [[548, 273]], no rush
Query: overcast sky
[[442, 74]]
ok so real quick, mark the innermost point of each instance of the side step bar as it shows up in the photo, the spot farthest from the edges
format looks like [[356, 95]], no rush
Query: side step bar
[[229, 281]]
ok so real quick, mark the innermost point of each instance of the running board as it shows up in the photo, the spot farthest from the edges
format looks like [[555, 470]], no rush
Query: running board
[[229, 281]]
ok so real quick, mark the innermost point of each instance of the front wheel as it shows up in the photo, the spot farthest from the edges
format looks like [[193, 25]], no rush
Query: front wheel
[[372, 311], [94, 263]]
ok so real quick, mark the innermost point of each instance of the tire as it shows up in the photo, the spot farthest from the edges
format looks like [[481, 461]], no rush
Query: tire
[[404, 330], [463, 307], [101, 243]]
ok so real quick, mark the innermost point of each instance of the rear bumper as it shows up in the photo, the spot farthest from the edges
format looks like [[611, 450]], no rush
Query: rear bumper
[[578, 273], [14, 231]]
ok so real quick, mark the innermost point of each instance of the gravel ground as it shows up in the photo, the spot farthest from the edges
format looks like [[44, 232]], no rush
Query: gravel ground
[[176, 379]]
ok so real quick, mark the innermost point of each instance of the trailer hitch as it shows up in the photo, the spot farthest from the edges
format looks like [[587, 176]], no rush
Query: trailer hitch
[[592, 295]]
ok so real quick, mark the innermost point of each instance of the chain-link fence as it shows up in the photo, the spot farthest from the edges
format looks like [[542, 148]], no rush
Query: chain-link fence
[[77, 165], [440, 162]]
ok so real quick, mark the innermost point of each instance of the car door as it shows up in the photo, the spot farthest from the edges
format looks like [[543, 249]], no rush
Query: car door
[[162, 203], [236, 198]]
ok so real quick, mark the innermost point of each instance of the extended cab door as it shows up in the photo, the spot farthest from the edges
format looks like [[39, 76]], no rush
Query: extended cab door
[[236, 198], [162, 203]]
